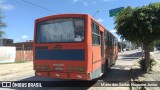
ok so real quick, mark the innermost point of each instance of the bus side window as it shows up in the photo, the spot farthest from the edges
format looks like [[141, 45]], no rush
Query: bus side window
[[105, 37], [95, 34], [108, 39]]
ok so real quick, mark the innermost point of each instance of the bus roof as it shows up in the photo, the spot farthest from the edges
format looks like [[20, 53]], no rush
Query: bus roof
[[59, 15], [70, 14]]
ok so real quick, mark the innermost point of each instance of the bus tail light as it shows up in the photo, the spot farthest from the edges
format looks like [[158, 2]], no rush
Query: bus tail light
[[42, 67], [73, 68]]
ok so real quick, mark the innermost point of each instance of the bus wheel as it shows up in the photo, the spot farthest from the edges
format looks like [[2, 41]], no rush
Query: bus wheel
[[114, 62], [106, 68]]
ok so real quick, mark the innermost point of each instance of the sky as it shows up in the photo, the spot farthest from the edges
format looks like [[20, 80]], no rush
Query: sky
[[20, 16]]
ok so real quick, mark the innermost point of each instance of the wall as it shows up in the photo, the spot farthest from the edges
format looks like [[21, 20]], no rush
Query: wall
[[7, 54], [24, 55]]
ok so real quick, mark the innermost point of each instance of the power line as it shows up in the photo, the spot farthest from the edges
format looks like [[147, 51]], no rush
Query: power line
[[26, 5], [40, 7]]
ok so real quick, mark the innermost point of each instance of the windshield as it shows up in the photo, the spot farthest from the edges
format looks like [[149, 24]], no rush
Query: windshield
[[60, 30]]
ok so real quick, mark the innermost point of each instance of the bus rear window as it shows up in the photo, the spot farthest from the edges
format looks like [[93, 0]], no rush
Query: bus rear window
[[60, 30]]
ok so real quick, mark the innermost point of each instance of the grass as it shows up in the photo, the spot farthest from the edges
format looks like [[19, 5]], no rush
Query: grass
[[20, 61]]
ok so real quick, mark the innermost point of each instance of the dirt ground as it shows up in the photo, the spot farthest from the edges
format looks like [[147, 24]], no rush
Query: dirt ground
[[16, 71]]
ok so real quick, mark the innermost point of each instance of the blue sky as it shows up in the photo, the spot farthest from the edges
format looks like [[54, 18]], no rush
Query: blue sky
[[20, 16]]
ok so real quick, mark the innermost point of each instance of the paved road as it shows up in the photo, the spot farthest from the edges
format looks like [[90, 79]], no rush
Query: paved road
[[119, 72]]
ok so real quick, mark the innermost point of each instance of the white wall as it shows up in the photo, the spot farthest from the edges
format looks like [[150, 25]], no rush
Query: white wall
[[7, 54]]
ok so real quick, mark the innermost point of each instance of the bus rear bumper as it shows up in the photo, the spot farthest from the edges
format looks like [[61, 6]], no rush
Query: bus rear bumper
[[64, 75]]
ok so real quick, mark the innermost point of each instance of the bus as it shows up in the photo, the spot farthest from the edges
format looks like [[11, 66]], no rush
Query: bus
[[72, 46]]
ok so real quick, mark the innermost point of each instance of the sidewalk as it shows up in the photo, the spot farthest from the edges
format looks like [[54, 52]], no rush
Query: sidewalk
[[139, 76]]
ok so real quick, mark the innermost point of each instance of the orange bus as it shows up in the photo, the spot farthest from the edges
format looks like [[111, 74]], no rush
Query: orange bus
[[72, 46]]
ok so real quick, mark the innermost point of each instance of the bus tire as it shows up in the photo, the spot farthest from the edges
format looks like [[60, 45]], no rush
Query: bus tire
[[106, 68], [114, 62]]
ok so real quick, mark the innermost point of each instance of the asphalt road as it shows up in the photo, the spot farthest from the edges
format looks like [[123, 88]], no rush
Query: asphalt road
[[119, 72]]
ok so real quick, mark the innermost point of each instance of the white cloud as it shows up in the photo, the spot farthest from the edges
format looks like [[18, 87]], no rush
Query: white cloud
[[6, 6], [113, 31], [100, 20], [89, 4], [24, 36], [85, 3]]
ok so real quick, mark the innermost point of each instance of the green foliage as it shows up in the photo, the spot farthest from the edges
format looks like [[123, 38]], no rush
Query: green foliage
[[152, 62], [157, 43], [139, 24], [2, 24]]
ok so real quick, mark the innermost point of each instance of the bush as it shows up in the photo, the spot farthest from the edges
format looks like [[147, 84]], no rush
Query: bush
[[152, 63], [142, 64]]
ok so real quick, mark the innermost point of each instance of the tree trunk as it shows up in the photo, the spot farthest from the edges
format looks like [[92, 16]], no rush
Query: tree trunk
[[147, 57]]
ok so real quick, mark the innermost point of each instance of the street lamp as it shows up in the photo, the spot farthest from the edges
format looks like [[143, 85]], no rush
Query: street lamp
[[96, 12]]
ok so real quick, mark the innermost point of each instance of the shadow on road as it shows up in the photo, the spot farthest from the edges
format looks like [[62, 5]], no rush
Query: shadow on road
[[130, 58], [136, 72], [137, 54], [117, 73], [56, 84]]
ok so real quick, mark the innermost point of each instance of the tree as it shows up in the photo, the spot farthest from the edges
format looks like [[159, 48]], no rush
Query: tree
[[121, 46], [140, 25], [2, 24], [157, 43]]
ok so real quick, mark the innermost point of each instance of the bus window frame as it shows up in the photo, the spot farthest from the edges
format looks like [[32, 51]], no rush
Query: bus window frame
[[99, 45], [85, 30]]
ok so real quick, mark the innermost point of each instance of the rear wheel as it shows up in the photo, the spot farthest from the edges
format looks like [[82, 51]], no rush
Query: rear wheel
[[105, 68], [115, 60]]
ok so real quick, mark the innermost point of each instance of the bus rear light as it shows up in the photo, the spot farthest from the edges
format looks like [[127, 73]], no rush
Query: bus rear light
[[58, 68], [73, 68], [42, 67]]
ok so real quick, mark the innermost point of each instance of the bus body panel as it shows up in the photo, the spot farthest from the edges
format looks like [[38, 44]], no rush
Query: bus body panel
[[61, 60]]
